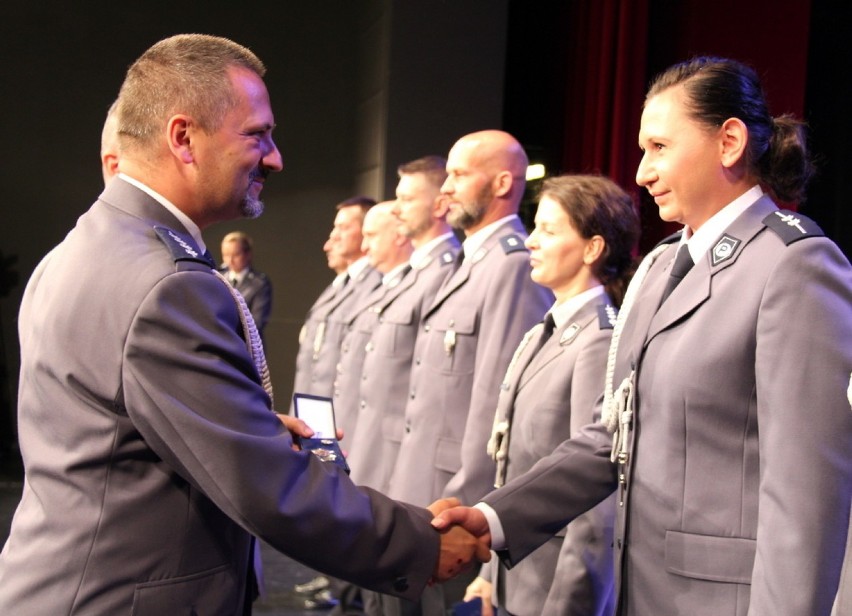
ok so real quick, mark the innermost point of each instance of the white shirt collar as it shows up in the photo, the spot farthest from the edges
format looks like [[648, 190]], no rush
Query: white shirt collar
[[700, 241], [394, 274], [422, 252], [474, 242], [355, 269], [564, 312], [339, 279], [185, 220]]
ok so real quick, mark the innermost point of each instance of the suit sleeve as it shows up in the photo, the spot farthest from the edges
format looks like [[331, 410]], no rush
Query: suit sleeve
[[803, 361], [192, 392], [513, 303], [535, 506]]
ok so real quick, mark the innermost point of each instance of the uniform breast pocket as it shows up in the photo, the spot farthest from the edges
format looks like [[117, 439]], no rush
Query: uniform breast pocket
[[395, 332], [453, 344]]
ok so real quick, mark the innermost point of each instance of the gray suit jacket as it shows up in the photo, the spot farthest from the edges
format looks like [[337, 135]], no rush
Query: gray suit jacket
[[150, 450], [357, 327], [738, 488], [322, 333], [466, 340], [550, 395], [386, 369]]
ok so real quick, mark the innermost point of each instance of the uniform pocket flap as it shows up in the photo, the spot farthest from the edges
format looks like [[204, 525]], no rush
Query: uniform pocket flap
[[463, 321], [707, 557], [448, 455]]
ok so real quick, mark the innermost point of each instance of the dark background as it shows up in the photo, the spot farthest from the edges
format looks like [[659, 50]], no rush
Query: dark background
[[359, 86]]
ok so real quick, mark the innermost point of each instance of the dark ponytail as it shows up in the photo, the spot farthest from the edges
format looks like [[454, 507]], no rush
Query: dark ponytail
[[718, 89]]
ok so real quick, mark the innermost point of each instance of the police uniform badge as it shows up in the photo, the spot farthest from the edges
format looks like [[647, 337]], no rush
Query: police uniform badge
[[724, 249]]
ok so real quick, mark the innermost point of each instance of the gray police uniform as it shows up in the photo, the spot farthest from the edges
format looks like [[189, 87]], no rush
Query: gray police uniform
[[466, 340], [738, 476], [358, 325], [549, 395], [149, 447], [322, 333], [387, 367]]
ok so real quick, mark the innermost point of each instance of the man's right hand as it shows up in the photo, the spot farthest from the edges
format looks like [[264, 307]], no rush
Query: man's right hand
[[459, 548], [469, 518]]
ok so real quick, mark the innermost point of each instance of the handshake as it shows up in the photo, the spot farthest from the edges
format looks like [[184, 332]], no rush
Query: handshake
[[465, 538]]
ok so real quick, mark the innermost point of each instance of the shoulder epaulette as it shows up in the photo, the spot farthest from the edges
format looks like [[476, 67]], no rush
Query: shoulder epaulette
[[512, 243], [607, 313], [671, 239], [792, 226], [182, 246]]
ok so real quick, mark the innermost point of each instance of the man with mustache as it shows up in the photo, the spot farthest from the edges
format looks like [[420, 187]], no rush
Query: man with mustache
[[151, 449]]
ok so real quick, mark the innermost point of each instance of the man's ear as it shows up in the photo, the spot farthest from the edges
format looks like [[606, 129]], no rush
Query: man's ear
[[180, 130], [734, 142], [502, 183]]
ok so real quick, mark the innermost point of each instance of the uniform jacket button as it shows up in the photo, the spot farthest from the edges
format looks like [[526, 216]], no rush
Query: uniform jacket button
[[400, 584]]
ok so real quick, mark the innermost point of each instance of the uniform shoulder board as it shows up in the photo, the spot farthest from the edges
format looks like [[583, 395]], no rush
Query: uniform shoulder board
[[182, 246], [512, 243], [792, 226], [607, 313], [671, 239]]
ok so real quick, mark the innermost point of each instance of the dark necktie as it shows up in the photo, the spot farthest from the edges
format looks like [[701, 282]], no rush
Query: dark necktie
[[683, 263], [233, 282], [548, 325]]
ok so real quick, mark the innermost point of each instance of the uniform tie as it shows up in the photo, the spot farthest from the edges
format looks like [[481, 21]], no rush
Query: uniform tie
[[498, 444], [683, 263]]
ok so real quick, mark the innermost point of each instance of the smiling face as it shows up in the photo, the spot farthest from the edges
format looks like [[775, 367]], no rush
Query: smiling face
[[234, 160], [681, 163], [559, 255]]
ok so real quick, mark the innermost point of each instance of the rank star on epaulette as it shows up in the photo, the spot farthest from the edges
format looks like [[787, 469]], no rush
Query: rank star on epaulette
[[791, 226], [607, 315], [180, 245], [512, 243], [447, 258], [724, 249]]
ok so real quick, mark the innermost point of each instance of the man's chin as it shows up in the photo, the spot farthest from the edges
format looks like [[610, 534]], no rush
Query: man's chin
[[251, 208]]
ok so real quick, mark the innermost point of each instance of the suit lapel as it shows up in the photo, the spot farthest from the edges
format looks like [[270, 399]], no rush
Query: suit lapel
[[458, 278], [695, 289], [560, 341]]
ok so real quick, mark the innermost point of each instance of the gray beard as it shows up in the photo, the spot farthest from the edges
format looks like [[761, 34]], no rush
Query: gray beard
[[250, 207]]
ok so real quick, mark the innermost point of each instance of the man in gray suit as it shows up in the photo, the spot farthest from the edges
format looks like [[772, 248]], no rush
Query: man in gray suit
[[151, 449], [254, 286], [322, 332], [469, 333], [388, 252], [421, 211]]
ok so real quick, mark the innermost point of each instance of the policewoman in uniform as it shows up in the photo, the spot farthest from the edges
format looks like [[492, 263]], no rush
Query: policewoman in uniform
[[727, 398], [585, 229]]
